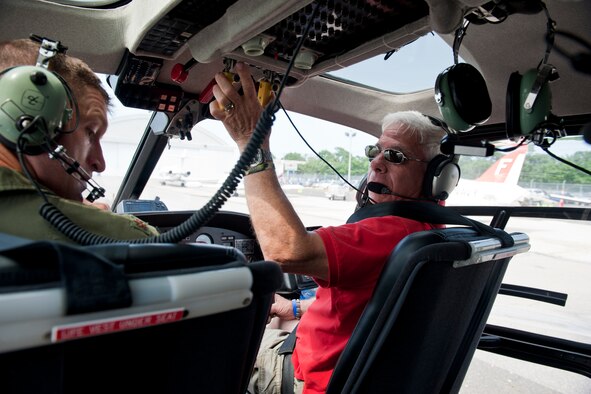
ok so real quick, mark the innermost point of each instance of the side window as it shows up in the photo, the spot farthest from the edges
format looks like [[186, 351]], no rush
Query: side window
[[190, 172], [558, 263], [526, 177]]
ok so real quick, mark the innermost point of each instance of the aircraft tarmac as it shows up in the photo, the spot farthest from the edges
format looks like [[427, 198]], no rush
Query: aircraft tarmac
[[557, 261]]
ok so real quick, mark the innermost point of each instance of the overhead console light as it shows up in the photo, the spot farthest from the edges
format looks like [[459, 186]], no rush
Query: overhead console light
[[256, 45], [304, 60]]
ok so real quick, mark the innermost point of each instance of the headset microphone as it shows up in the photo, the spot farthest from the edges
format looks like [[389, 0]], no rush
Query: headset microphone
[[379, 188], [73, 168]]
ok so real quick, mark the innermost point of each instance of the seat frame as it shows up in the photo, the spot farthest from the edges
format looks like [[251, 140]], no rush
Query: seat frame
[[212, 348], [421, 327]]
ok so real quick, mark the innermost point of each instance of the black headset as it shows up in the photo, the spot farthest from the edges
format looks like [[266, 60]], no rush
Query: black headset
[[461, 93]]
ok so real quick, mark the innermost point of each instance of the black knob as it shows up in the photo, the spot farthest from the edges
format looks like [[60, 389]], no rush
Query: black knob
[[38, 78]]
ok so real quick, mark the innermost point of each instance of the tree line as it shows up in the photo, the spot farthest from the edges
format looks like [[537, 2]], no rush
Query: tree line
[[537, 167]]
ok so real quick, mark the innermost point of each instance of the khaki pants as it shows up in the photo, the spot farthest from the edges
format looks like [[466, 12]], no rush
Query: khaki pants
[[267, 375]]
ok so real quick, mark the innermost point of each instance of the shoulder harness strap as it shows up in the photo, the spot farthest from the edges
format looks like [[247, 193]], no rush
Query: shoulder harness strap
[[428, 212]]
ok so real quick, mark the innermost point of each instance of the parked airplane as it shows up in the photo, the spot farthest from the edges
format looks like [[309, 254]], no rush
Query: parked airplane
[[563, 199], [175, 178], [498, 185]]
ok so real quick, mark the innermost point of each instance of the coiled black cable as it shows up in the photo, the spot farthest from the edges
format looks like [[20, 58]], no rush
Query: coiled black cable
[[83, 237], [79, 235]]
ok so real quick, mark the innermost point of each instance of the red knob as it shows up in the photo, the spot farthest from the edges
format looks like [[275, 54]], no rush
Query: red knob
[[179, 74]]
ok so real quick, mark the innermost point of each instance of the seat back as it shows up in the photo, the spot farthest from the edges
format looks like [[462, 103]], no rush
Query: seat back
[[194, 322], [421, 327]]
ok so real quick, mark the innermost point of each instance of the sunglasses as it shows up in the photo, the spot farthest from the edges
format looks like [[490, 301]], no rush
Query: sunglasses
[[392, 155]]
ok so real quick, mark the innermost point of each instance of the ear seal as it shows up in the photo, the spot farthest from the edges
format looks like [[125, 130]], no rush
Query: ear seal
[[512, 106], [441, 177], [362, 195], [462, 96]]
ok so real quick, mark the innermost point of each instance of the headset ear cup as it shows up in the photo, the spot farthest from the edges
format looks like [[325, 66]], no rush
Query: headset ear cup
[[33, 98], [441, 177], [529, 120], [512, 104], [447, 109], [521, 121], [462, 96], [470, 94]]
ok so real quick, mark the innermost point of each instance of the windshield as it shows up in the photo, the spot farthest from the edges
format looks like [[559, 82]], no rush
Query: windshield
[[190, 172], [196, 168]]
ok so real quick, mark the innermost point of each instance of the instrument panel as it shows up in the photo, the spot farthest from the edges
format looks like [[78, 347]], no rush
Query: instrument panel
[[231, 229], [224, 237], [226, 228]]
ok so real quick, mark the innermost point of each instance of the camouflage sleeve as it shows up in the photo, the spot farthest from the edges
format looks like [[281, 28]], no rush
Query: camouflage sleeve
[[106, 223]]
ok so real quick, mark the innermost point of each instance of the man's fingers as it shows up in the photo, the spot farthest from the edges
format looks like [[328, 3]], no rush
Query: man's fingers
[[248, 87], [223, 83], [226, 94], [215, 110]]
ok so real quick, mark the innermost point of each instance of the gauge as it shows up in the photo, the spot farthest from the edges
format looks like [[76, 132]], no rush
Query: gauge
[[204, 238], [246, 246]]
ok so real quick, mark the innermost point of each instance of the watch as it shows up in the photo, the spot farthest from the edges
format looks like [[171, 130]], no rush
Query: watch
[[262, 160]]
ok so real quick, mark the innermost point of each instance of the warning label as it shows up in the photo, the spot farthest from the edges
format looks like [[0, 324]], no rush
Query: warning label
[[119, 323]]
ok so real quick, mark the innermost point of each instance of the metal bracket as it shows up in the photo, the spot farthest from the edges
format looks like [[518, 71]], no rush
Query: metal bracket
[[48, 49], [184, 120]]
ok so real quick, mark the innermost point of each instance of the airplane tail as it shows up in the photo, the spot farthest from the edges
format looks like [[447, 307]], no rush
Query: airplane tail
[[507, 169]]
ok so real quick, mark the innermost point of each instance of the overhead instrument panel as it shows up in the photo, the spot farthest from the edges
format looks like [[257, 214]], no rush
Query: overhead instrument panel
[[267, 32]]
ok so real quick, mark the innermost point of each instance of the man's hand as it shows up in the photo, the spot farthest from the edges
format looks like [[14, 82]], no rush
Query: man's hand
[[282, 308], [239, 114]]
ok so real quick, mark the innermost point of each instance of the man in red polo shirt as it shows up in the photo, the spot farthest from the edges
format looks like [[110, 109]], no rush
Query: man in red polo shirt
[[345, 260]]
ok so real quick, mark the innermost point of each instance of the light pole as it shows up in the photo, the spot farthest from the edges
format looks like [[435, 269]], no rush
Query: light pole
[[350, 135]]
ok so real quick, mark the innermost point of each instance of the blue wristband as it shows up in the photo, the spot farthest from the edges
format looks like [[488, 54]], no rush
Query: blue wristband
[[294, 307]]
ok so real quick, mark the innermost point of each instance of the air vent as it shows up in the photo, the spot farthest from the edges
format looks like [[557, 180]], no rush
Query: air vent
[[341, 25], [182, 23]]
